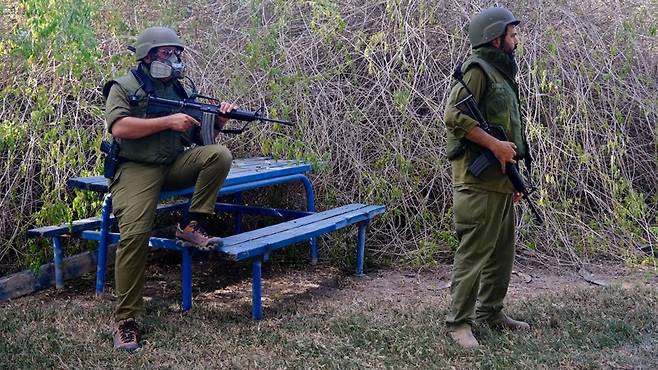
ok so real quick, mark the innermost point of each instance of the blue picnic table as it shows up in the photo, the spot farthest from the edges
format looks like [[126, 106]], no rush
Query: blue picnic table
[[254, 245]]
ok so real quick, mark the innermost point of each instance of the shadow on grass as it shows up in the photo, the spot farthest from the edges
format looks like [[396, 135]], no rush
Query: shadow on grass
[[321, 317]]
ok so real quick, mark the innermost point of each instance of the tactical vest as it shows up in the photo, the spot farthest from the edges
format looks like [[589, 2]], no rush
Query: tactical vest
[[500, 103], [161, 147]]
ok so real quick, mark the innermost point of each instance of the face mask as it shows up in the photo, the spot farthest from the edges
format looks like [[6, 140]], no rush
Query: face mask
[[172, 67]]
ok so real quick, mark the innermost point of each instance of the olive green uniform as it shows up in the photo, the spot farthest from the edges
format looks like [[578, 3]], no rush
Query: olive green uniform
[[161, 161], [483, 207]]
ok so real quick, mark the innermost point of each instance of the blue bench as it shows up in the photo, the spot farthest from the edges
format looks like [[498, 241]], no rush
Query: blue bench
[[256, 245], [57, 232], [245, 174]]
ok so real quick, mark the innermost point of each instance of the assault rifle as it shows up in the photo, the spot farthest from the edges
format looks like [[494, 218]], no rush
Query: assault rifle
[[206, 114], [487, 158]]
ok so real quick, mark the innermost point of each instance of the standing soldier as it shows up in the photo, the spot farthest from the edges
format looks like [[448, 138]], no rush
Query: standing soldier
[[483, 206], [156, 153]]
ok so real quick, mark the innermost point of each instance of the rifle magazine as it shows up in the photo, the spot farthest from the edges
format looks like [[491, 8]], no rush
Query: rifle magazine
[[481, 163], [208, 128]]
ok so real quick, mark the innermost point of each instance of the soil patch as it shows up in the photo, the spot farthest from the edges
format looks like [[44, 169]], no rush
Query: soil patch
[[227, 285]]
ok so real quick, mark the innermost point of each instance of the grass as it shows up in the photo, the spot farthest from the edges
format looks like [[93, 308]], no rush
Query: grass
[[343, 326]]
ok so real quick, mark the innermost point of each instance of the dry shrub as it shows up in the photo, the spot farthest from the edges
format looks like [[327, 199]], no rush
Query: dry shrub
[[366, 84]]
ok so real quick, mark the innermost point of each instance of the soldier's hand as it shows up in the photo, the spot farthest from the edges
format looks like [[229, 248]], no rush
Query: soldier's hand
[[225, 107], [517, 196], [182, 122], [504, 151]]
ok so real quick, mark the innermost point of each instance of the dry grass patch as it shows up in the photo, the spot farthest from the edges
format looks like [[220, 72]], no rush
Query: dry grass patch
[[324, 318]]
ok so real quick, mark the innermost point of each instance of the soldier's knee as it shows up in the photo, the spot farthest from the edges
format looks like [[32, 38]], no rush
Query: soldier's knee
[[133, 248], [221, 156], [137, 220]]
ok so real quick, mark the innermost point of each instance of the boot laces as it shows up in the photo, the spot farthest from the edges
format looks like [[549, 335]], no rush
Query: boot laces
[[128, 331], [197, 227]]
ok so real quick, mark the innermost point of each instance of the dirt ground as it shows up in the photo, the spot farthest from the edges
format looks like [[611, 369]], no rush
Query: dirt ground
[[227, 285], [287, 282], [326, 317]]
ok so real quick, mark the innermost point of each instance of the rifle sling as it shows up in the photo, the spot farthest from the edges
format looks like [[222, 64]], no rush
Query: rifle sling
[[147, 85]]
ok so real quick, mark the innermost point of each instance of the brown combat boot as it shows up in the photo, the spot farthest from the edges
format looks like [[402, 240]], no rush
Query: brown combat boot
[[503, 322], [126, 336], [196, 235], [463, 336]]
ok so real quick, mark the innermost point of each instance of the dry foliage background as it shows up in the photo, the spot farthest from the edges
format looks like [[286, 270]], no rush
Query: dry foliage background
[[366, 83]]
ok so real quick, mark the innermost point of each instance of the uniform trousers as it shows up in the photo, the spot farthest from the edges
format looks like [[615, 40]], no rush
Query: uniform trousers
[[136, 191], [484, 224]]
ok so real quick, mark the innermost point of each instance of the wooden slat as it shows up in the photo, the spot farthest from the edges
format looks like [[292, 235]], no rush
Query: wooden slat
[[92, 223], [266, 173], [155, 242], [262, 163], [272, 242], [93, 183], [273, 229], [75, 227]]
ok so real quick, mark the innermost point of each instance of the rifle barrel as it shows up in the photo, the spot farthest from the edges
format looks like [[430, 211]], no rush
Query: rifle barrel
[[287, 123], [538, 219]]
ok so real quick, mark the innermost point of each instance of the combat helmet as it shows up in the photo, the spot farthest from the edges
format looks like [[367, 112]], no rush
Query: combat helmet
[[489, 24], [154, 37]]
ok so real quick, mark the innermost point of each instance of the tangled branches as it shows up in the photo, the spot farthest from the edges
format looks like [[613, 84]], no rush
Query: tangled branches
[[367, 82]]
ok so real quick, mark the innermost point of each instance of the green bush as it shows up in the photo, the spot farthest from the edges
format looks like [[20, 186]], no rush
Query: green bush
[[366, 84]]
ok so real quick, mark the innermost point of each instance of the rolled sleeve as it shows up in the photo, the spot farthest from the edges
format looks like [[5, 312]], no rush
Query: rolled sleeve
[[116, 106], [457, 121]]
